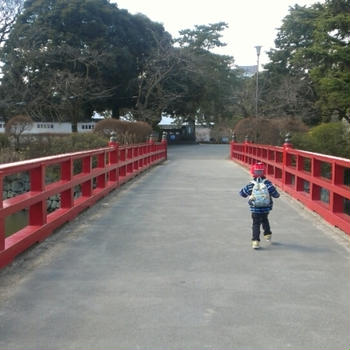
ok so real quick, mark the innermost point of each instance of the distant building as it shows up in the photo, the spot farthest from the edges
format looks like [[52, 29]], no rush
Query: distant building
[[179, 133], [183, 133], [54, 127], [248, 71]]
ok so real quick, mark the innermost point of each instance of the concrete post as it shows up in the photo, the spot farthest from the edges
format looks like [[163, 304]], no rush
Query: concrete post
[[113, 139], [165, 144], [287, 145], [233, 141]]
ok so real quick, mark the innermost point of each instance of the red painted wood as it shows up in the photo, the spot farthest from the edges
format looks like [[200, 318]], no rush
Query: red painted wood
[[286, 168], [115, 166]]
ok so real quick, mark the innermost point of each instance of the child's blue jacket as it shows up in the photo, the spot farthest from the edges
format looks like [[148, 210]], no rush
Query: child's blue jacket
[[247, 191]]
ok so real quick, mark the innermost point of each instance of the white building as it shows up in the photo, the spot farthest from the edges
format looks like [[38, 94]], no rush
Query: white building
[[54, 128]]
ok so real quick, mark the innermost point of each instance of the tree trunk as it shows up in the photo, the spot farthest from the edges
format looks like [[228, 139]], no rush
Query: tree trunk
[[74, 126], [115, 112]]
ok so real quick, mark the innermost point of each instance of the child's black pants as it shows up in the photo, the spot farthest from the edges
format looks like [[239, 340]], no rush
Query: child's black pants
[[260, 219]]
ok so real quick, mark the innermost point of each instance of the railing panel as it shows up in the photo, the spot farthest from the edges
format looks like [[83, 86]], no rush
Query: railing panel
[[319, 181], [77, 180]]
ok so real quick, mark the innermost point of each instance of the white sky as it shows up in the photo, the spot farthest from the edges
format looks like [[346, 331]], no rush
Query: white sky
[[251, 22]]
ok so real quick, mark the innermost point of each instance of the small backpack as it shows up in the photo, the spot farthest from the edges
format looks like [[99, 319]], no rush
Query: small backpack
[[260, 196]]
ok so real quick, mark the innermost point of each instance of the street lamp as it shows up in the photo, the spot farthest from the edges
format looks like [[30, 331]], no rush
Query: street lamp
[[258, 48]]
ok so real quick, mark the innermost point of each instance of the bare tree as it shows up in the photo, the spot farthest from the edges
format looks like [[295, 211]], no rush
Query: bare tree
[[152, 96], [16, 126]]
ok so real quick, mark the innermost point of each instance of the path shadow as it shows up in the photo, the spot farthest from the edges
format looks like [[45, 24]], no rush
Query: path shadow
[[296, 246]]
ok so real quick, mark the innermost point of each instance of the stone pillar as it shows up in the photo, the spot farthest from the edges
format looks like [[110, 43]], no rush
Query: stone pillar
[[165, 144]]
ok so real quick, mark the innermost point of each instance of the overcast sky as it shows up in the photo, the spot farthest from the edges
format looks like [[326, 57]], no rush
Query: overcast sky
[[251, 22]]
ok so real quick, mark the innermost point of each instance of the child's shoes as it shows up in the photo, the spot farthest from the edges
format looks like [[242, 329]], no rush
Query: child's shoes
[[255, 245], [267, 238]]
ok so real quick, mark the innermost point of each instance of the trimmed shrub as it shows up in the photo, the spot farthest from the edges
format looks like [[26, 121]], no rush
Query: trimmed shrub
[[127, 132], [259, 130], [47, 144], [223, 129], [268, 131]]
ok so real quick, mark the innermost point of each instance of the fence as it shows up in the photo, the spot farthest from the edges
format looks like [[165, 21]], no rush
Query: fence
[[95, 173], [320, 182]]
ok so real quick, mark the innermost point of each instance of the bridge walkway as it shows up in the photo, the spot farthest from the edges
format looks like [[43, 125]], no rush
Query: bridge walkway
[[165, 263]]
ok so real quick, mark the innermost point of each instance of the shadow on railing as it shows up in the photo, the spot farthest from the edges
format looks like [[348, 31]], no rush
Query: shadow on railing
[[320, 182], [83, 178]]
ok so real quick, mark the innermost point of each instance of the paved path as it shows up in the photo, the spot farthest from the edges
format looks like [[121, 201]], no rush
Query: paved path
[[165, 263]]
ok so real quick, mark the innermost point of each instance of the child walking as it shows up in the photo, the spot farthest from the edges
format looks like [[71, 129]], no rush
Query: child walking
[[259, 192]]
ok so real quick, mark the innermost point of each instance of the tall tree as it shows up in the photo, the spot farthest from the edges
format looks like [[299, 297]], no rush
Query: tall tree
[[202, 37], [74, 56], [312, 53], [287, 89], [330, 56], [153, 97], [205, 83], [186, 81]]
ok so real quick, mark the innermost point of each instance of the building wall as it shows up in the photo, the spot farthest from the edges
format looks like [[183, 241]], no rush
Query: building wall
[[50, 128], [86, 127], [202, 134], [54, 128]]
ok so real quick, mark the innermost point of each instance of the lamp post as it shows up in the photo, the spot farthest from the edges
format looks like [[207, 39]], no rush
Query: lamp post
[[258, 48]]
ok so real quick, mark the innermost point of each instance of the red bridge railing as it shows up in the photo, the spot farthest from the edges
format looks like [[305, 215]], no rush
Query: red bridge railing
[[99, 172], [320, 182]]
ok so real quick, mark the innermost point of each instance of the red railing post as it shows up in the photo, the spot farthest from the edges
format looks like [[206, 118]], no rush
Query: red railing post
[[122, 158], [287, 145], [86, 187], [141, 164], [2, 219], [151, 149], [37, 211], [101, 164], [245, 150], [135, 156], [114, 158], [129, 156]]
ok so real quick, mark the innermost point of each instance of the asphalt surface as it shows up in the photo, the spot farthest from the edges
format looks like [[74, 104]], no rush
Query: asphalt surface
[[165, 262]]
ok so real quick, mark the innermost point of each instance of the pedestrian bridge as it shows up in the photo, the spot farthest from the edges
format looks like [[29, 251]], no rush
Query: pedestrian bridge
[[165, 262]]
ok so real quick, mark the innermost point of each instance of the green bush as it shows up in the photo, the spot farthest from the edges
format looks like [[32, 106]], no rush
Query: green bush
[[8, 155], [4, 141], [327, 138]]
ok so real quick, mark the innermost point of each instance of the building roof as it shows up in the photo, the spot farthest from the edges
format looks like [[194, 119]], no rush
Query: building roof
[[248, 71]]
